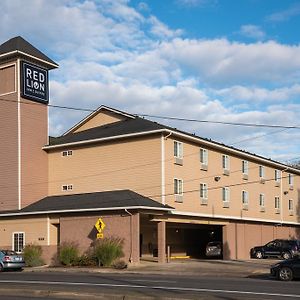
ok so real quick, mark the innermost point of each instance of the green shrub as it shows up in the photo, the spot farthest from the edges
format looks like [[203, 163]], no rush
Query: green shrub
[[68, 253], [107, 250], [33, 255], [86, 260]]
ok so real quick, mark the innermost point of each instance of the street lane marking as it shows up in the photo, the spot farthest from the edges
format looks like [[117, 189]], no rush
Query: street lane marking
[[148, 287], [145, 280]]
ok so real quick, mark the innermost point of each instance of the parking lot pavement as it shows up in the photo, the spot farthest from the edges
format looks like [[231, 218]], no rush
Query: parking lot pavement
[[233, 268]]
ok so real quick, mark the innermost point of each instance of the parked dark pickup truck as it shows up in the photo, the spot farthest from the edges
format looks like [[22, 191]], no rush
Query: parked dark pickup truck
[[285, 249]]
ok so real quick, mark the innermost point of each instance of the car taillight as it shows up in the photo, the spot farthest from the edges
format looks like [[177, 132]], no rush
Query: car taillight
[[6, 258]]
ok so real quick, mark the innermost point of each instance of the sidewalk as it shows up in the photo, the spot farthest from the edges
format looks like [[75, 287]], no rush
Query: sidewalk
[[217, 268]]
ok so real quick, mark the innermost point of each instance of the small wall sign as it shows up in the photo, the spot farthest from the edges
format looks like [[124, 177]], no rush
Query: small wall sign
[[34, 83]]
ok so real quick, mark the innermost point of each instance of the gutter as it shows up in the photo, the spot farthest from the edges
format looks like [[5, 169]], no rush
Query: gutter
[[83, 210]]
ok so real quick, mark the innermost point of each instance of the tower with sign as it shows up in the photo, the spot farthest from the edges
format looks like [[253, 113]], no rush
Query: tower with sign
[[24, 97]]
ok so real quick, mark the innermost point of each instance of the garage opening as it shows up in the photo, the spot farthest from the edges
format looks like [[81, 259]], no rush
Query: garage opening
[[190, 240]]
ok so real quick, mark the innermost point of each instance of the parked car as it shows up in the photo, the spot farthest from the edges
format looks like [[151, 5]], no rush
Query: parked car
[[286, 270], [11, 260], [214, 249], [285, 249]]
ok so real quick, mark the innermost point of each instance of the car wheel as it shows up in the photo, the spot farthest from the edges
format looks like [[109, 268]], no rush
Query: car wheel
[[285, 274], [286, 255], [1, 268], [259, 255]]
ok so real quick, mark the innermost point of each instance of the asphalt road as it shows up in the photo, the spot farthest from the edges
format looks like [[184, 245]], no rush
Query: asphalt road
[[53, 285]]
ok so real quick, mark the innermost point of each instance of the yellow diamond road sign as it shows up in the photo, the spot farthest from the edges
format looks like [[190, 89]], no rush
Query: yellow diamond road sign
[[100, 225]]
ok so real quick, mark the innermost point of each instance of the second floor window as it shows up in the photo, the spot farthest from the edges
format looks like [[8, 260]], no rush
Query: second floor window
[[262, 200], [225, 194], [178, 186], [225, 162], [277, 176], [261, 172], [245, 198], [277, 203], [245, 167], [291, 206], [291, 179], [203, 191], [204, 156], [178, 149]]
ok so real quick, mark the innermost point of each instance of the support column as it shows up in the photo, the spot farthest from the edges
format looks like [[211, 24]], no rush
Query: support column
[[135, 238], [161, 241]]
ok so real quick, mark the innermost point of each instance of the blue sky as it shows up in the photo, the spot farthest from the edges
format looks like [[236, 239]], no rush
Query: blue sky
[[219, 60]]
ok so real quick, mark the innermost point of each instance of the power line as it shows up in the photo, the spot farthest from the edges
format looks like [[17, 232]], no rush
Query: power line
[[169, 118]]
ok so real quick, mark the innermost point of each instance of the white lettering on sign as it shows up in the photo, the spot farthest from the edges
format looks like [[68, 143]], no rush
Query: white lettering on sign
[[35, 83]]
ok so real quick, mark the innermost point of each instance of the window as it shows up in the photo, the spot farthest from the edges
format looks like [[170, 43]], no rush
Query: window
[[203, 191], [261, 172], [277, 203], [225, 194], [178, 186], [291, 179], [67, 153], [245, 167], [67, 187], [245, 198], [261, 200], [204, 156], [178, 149], [18, 241], [291, 205], [225, 162], [277, 176]]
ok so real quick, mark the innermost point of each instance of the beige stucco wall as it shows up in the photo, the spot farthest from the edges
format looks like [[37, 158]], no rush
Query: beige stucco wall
[[128, 164], [102, 118], [192, 175]]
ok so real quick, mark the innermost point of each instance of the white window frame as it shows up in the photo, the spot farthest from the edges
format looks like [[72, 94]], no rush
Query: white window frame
[[261, 172], [13, 241], [225, 162], [277, 176], [203, 190], [67, 187], [277, 202], [178, 149], [66, 153], [245, 198], [178, 187], [245, 167], [225, 194], [204, 156], [291, 179], [262, 200]]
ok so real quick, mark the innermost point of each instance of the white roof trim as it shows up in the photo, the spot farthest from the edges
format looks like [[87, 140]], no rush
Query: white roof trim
[[94, 113], [185, 136], [192, 214], [102, 139], [83, 210], [28, 55]]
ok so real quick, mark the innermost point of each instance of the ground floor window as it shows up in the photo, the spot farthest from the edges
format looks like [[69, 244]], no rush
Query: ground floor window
[[18, 241]]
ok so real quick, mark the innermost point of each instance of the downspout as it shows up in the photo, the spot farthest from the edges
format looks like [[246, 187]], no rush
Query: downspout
[[130, 214]]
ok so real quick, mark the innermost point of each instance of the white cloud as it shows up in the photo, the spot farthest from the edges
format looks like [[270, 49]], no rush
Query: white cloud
[[284, 15], [109, 53], [252, 31], [196, 3]]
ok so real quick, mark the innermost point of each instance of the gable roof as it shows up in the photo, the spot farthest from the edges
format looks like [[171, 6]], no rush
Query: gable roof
[[90, 202], [95, 113], [18, 46]]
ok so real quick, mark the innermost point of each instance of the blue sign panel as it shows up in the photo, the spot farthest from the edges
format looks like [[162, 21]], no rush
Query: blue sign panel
[[34, 83]]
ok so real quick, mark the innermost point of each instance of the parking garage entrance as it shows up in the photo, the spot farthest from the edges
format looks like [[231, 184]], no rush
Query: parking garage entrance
[[184, 239]]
